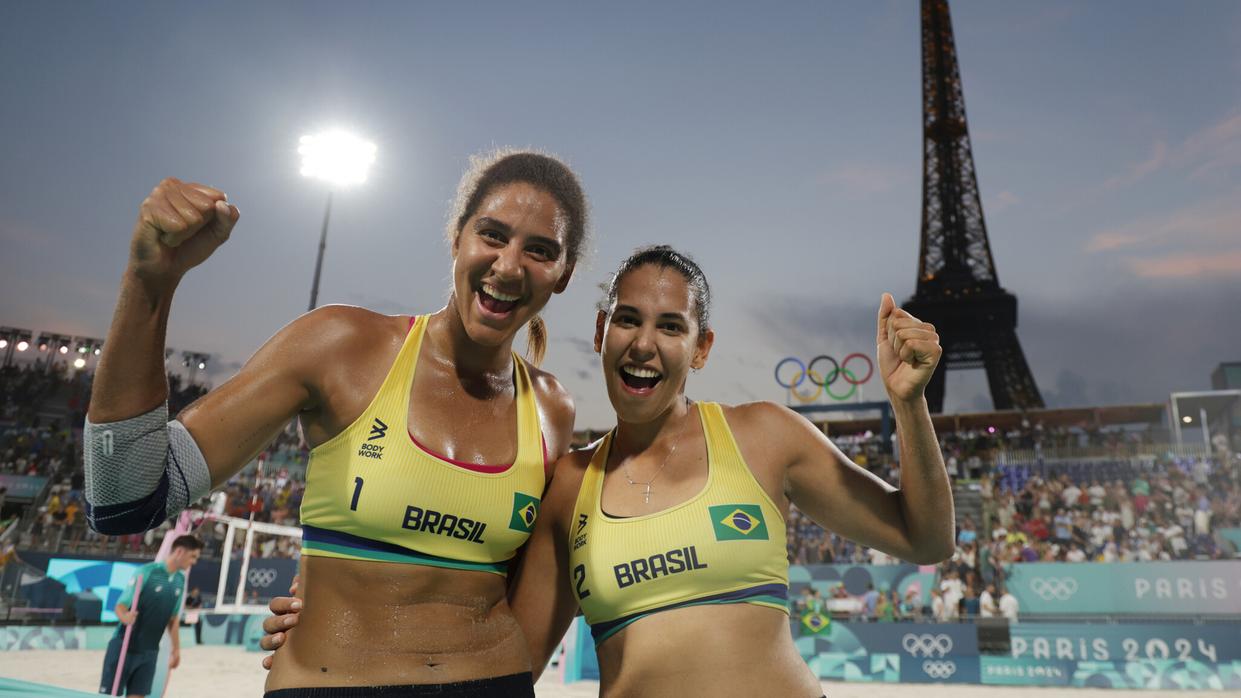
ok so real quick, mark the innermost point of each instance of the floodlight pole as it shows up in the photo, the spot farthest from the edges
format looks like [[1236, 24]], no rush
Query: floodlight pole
[[314, 289]]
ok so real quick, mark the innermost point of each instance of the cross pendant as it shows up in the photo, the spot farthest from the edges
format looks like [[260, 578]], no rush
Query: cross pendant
[[647, 494]]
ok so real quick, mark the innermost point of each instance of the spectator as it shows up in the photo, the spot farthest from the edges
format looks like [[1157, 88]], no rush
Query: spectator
[[870, 602], [1009, 606], [987, 607]]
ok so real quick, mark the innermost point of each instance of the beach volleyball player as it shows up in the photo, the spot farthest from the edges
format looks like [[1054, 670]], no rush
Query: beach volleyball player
[[430, 436]]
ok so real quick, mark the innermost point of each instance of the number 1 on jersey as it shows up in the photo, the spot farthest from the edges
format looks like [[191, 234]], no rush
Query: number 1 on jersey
[[357, 492]]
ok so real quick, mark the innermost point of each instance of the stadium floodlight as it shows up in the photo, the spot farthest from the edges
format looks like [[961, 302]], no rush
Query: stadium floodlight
[[336, 157], [340, 159], [13, 338], [195, 362]]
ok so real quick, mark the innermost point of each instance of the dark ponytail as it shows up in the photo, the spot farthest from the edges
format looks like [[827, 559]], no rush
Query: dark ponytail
[[536, 340]]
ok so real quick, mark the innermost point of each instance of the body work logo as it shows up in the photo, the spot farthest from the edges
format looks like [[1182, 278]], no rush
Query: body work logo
[[370, 450], [579, 538], [525, 512], [378, 430], [738, 522]]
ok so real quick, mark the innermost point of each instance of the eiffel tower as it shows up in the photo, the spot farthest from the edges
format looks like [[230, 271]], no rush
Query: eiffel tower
[[958, 290]]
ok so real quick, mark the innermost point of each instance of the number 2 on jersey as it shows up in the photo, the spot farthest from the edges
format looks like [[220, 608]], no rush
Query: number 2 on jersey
[[579, 573], [357, 492]]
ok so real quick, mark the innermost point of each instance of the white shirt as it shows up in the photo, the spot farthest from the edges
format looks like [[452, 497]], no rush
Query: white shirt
[[1008, 607], [986, 605]]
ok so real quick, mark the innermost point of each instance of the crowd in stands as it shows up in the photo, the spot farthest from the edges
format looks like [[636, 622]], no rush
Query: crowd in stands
[[1119, 510], [1128, 509], [42, 407]]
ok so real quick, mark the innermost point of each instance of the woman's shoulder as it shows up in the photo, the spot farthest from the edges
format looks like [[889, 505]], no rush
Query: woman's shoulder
[[332, 326], [761, 415], [567, 479], [552, 393], [556, 407]]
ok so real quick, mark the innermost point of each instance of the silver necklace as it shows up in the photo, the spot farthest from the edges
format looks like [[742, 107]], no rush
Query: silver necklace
[[646, 494]]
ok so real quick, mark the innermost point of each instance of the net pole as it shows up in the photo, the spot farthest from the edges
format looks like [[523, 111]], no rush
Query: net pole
[[129, 630]]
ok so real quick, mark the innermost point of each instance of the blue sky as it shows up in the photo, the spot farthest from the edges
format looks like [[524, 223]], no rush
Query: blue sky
[[779, 144]]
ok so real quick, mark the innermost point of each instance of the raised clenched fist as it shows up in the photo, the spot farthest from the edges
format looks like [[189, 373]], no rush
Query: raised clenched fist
[[179, 225]]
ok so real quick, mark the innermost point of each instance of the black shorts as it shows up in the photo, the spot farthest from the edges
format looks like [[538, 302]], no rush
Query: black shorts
[[136, 677], [512, 686]]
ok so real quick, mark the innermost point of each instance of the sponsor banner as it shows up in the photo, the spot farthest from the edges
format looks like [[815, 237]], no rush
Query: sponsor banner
[[855, 578], [22, 488], [24, 637], [915, 641], [1232, 535], [949, 669], [1126, 642], [1146, 588], [1158, 674], [105, 579], [874, 668], [1006, 671]]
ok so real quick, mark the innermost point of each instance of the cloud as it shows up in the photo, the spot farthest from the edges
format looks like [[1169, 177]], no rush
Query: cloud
[[864, 179], [1189, 265], [1158, 158], [1137, 344], [582, 346], [1208, 153], [1004, 200], [1202, 238], [801, 322]]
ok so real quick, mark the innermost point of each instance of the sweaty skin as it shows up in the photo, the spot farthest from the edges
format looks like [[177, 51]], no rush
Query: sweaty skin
[[367, 623], [724, 649]]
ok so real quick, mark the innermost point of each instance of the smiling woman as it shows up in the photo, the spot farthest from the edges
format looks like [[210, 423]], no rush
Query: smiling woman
[[413, 494], [670, 530]]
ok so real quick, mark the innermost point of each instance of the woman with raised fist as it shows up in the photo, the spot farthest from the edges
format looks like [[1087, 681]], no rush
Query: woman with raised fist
[[430, 436]]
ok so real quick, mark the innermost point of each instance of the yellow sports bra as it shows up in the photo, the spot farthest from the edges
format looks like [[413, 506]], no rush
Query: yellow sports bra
[[373, 493], [724, 545]]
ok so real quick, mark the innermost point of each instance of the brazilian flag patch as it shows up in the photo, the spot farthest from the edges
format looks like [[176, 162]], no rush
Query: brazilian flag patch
[[525, 512], [738, 522], [815, 622]]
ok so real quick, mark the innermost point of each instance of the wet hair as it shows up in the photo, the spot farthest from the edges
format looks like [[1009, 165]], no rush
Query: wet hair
[[187, 541], [507, 166], [664, 257]]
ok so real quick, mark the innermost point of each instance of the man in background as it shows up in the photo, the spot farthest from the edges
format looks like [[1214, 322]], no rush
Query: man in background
[[158, 609]]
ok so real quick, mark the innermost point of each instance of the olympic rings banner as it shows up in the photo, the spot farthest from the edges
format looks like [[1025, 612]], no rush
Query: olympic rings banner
[[1118, 588], [821, 373], [1149, 656]]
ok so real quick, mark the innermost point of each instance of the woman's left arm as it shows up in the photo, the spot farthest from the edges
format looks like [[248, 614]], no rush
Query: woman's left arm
[[914, 522]]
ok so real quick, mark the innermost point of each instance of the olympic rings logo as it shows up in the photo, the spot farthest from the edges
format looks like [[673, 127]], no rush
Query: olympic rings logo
[[262, 577], [939, 669], [927, 645], [1048, 588], [821, 376]]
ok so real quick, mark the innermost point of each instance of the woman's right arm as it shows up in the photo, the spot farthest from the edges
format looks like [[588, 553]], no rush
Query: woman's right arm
[[141, 468]]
